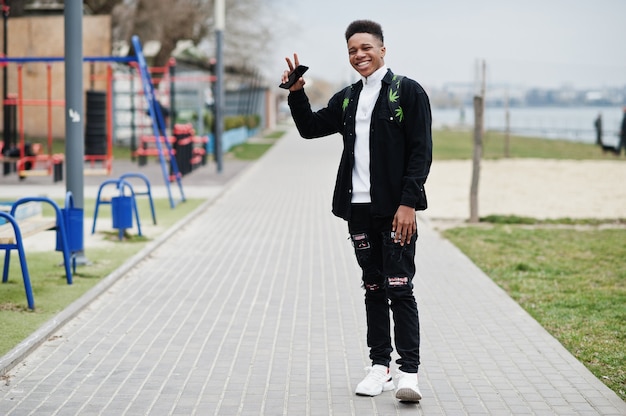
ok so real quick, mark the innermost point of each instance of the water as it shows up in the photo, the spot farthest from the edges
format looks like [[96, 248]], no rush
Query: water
[[570, 123]]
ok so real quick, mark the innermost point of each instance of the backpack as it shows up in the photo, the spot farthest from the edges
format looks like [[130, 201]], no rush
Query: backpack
[[393, 98]]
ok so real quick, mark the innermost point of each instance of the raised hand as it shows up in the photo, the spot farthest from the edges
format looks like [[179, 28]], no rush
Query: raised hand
[[299, 84]]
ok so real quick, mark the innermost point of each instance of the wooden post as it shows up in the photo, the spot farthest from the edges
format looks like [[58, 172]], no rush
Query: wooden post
[[507, 128], [478, 153], [483, 86]]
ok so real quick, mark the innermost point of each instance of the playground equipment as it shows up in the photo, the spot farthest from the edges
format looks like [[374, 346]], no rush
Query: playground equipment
[[15, 230], [158, 124], [19, 246], [190, 149], [27, 160], [26, 157], [141, 178], [123, 206]]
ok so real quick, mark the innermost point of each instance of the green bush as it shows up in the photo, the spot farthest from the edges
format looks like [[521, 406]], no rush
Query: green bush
[[234, 122], [253, 121], [250, 121]]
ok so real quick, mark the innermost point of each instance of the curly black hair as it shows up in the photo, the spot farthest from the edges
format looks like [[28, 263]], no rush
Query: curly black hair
[[365, 26]]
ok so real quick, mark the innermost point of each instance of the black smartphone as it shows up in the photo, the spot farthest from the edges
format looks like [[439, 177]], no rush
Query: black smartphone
[[293, 77]]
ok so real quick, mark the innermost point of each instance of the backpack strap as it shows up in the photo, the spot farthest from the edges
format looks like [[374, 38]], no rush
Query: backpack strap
[[394, 98], [346, 98]]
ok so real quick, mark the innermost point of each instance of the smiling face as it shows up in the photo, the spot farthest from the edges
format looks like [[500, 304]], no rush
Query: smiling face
[[366, 53]]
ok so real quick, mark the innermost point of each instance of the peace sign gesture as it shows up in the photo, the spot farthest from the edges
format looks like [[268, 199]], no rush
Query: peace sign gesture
[[292, 78]]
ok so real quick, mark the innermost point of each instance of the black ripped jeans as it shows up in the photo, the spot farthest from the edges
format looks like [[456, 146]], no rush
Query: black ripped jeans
[[388, 270]]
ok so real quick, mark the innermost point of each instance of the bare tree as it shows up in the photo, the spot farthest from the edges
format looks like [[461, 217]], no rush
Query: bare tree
[[476, 158], [247, 34], [165, 21], [101, 6], [479, 133], [20, 7]]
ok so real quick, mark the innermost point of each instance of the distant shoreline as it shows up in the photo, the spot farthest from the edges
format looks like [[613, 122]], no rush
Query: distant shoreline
[[568, 123]]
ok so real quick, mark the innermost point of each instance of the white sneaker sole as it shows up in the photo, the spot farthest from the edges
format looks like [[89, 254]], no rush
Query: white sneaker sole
[[408, 395]]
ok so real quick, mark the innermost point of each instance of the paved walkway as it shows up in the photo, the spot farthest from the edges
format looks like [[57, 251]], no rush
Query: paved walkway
[[253, 307]]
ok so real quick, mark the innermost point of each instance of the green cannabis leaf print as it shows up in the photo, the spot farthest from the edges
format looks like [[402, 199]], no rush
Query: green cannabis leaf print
[[400, 114], [394, 96]]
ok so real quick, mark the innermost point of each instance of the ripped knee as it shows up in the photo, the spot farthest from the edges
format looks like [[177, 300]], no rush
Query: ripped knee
[[399, 288], [363, 251], [360, 241], [371, 287], [398, 282]]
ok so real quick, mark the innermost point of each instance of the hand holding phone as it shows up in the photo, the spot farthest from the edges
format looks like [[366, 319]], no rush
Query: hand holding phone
[[294, 76]]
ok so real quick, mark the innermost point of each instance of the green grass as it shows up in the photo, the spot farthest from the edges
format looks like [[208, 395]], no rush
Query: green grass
[[275, 134], [247, 151], [456, 144], [515, 219], [572, 280], [252, 150], [50, 289], [447, 144]]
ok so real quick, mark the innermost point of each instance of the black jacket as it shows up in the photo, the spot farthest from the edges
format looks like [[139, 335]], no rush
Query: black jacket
[[400, 152]]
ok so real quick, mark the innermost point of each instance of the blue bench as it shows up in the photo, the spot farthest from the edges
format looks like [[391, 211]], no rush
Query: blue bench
[[14, 231], [124, 205]]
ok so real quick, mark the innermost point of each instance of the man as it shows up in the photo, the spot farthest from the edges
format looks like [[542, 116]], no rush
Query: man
[[380, 185], [598, 126], [622, 135]]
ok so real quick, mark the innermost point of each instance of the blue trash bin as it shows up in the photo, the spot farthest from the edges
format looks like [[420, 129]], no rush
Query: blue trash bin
[[122, 212], [74, 224], [73, 218]]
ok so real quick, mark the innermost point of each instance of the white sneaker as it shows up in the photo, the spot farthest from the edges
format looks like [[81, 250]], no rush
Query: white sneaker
[[375, 382], [407, 390]]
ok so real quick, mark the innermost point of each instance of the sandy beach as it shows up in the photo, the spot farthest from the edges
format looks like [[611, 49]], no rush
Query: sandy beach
[[538, 188]]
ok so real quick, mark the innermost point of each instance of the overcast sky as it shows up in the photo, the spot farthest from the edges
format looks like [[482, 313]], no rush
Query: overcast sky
[[541, 43]]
